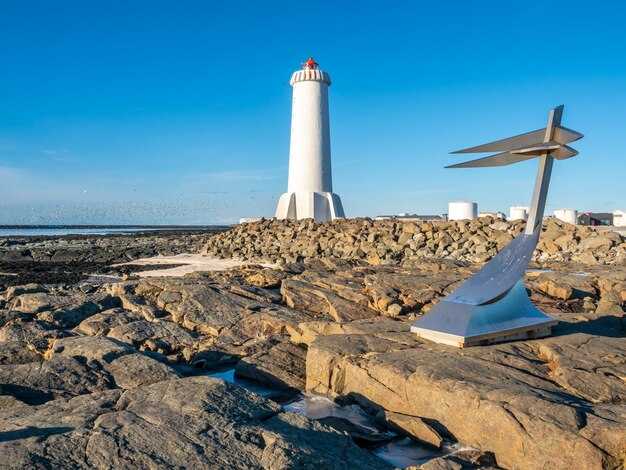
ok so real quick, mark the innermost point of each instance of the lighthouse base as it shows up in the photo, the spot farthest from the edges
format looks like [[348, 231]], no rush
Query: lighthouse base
[[304, 205]]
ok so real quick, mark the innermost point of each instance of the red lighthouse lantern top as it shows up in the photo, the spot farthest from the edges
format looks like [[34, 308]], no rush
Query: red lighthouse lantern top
[[310, 64]]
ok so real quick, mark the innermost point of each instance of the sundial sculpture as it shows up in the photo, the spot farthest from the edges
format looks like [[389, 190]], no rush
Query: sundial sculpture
[[493, 306]]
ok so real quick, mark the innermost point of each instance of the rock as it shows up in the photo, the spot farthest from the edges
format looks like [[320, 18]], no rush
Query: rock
[[256, 293], [80, 365], [164, 337], [66, 311], [266, 278], [125, 367], [14, 291], [609, 308], [301, 295], [192, 423], [564, 287], [591, 367], [555, 289], [282, 367], [308, 331], [17, 352], [101, 323], [195, 304], [441, 463], [494, 398], [597, 244], [412, 426], [62, 376]]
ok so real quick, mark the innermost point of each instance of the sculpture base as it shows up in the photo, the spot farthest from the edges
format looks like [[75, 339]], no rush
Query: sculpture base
[[510, 317], [308, 205]]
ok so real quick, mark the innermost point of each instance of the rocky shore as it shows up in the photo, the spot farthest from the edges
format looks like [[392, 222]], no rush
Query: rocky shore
[[101, 374]]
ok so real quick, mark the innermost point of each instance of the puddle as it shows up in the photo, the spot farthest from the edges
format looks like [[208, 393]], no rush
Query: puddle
[[321, 407], [250, 385], [401, 452], [405, 453]]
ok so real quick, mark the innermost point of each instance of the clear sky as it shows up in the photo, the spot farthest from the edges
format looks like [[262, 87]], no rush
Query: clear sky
[[178, 111]]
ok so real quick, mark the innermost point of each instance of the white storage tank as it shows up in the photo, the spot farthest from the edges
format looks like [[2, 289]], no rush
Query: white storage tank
[[518, 213], [462, 210], [567, 215]]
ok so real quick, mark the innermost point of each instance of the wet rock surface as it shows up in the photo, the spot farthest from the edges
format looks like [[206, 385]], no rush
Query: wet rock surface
[[72, 258], [114, 374]]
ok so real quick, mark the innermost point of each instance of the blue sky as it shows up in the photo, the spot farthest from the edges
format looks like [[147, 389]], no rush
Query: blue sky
[[178, 112]]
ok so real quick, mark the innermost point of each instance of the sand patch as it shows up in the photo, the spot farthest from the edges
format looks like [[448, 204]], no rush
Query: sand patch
[[190, 262]]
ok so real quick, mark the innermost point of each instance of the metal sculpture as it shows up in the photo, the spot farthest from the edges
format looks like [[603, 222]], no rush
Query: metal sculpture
[[492, 305]]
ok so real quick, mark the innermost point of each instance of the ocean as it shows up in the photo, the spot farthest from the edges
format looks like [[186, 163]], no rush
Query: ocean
[[58, 230]]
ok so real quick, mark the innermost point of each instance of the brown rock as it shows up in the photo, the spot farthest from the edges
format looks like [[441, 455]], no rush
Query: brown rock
[[283, 366], [412, 426]]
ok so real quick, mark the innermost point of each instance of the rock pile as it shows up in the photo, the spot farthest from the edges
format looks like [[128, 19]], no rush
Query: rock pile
[[398, 242]]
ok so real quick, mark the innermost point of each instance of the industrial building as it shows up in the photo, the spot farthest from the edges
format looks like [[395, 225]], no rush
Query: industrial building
[[595, 218]]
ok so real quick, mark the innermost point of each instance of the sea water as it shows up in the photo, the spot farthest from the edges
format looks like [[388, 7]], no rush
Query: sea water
[[35, 231]]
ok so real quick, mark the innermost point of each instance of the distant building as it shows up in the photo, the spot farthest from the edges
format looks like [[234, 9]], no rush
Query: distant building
[[405, 216], [497, 215], [619, 218], [595, 218]]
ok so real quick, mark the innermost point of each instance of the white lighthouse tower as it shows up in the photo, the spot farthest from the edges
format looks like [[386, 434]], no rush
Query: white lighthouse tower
[[310, 187]]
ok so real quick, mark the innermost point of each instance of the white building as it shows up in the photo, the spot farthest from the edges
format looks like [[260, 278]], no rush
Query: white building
[[619, 218], [310, 187], [567, 215], [462, 210]]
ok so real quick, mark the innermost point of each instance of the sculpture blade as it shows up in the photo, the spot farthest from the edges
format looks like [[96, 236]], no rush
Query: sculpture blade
[[538, 149], [563, 152], [500, 159], [519, 141], [563, 135]]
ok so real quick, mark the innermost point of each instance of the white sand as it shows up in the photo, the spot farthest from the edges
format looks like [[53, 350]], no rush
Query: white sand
[[192, 262]]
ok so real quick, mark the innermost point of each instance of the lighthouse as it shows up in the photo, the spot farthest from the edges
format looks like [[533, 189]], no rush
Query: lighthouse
[[310, 186]]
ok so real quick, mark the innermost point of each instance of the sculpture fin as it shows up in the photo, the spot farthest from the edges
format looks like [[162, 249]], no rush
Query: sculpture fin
[[563, 135], [563, 152], [500, 159], [519, 141]]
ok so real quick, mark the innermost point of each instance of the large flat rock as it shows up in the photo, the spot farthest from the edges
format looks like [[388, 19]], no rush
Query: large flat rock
[[502, 399], [196, 422]]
